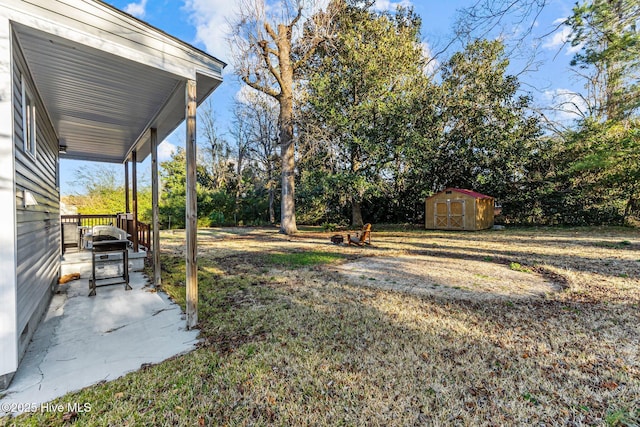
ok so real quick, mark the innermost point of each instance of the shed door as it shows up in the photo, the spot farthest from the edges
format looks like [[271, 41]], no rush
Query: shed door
[[456, 214], [441, 215], [449, 214]]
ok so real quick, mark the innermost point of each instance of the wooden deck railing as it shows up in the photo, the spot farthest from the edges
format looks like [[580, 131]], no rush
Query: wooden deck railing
[[122, 221], [144, 235], [89, 220]]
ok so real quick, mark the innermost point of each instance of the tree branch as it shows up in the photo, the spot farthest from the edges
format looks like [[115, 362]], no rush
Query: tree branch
[[262, 88], [269, 30], [266, 52], [296, 18], [303, 60]]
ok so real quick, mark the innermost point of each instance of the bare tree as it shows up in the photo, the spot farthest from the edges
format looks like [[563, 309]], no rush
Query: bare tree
[[487, 17], [606, 61], [262, 114], [513, 21], [269, 46], [241, 132], [216, 148]]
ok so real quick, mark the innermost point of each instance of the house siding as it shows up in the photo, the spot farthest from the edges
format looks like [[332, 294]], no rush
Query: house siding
[[8, 337], [37, 227]]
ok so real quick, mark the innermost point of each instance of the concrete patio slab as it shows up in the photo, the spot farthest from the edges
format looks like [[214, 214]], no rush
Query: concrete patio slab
[[84, 340]]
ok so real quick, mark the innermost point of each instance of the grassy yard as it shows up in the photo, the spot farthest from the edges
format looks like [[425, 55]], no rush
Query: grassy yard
[[288, 339]]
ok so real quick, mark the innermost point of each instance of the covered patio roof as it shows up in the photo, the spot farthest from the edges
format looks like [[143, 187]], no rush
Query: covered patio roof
[[106, 78], [114, 87]]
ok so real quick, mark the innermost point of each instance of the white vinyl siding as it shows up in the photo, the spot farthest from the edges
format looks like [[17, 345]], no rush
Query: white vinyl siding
[[37, 226], [8, 317]]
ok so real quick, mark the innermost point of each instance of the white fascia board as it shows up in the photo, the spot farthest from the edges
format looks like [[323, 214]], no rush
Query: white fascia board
[[96, 25], [8, 282], [165, 121]]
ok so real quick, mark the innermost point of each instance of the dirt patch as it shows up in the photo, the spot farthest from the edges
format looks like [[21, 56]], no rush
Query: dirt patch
[[456, 278]]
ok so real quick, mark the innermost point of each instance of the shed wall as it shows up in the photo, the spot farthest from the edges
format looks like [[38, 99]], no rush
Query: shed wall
[[37, 227], [484, 213], [470, 213]]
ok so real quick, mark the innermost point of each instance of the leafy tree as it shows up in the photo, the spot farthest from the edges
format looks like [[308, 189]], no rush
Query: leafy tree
[[487, 135], [100, 190], [357, 89], [600, 175], [173, 193], [607, 34], [604, 171]]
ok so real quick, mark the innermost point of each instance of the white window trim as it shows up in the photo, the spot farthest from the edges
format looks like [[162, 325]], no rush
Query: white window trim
[[29, 127]]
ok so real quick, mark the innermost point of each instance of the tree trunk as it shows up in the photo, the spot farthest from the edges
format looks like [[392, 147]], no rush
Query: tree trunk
[[356, 210], [287, 204], [272, 193], [238, 187], [287, 146], [356, 214], [272, 211]]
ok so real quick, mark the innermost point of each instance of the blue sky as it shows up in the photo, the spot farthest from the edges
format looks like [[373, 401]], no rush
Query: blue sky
[[203, 23]]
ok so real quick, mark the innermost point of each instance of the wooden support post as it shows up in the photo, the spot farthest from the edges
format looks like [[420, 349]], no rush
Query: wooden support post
[[191, 210], [134, 198], [155, 210], [126, 186]]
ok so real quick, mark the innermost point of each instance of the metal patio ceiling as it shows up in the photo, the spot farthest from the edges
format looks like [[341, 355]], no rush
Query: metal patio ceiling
[[101, 105]]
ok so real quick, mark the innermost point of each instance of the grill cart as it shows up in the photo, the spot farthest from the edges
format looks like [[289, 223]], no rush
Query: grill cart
[[110, 247]]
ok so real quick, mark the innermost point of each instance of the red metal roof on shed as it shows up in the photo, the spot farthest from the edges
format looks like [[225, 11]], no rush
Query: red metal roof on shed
[[465, 192]]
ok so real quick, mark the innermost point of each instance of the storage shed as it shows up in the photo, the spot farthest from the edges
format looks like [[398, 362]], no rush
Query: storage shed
[[459, 209]]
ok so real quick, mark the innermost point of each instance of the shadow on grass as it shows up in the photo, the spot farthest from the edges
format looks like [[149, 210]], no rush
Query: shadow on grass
[[302, 348], [598, 237], [603, 266]]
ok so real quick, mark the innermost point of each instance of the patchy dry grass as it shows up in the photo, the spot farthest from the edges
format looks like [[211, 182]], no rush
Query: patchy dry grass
[[290, 340]]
